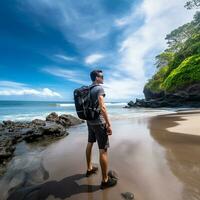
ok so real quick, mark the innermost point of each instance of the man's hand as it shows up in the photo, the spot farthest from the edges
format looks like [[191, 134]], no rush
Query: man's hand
[[109, 129]]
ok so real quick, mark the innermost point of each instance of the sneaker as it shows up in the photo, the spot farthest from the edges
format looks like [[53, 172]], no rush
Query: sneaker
[[110, 183], [92, 171]]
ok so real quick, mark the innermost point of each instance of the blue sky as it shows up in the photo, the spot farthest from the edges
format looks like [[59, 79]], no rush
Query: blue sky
[[48, 47]]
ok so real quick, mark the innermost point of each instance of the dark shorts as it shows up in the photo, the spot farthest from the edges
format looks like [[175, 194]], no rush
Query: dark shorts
[[98, 133]]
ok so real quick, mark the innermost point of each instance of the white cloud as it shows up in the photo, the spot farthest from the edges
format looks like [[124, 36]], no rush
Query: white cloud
[[10, 88], [91, 59], [93, 35], [70, 18], [71, 75], [139, 46], [144, 30], [128, 19], [121, 88], [11, 84], [63, 57], [49, 93]]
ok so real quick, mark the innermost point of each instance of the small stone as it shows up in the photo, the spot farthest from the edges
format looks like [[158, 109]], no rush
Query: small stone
[[113, 174], [128, 195]]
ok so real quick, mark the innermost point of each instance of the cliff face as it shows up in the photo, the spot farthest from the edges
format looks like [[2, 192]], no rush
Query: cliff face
[[186, 97], [177, 80], [189, 93]]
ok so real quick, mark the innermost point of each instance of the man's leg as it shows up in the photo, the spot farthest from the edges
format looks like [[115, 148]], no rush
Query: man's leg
[[103, 158], [89, 156]]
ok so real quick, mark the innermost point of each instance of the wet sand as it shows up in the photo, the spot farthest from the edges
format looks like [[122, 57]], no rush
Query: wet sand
[[151, 161]]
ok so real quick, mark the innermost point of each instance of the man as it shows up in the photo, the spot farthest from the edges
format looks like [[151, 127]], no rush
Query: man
[[98, 130]]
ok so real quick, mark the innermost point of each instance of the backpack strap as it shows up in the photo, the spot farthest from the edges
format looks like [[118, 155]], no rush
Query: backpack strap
[[91, 86]]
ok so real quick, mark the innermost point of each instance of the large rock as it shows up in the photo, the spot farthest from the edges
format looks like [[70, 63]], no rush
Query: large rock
[[8, 123], [194, 92], [53, 129], [152, 95], [188, 96], [39, 122], [69, 120], [26, 131], [1, 127], [52, 117], [34, 137], [131, 103], [6, 148], [13, 132]]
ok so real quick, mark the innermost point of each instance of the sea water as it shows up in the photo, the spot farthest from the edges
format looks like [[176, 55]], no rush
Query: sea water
[[29, 110]]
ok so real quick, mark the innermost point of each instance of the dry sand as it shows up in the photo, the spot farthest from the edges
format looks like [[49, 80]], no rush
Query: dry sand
[[152, 161], [189, 123]]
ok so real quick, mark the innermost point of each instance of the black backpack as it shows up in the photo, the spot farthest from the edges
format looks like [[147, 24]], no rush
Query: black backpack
[[83, 104]]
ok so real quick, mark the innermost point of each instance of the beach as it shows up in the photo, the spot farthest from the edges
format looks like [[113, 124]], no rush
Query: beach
[[154, 157]]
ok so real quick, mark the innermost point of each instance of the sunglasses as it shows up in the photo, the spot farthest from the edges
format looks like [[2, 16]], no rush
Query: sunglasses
[[101, 76]]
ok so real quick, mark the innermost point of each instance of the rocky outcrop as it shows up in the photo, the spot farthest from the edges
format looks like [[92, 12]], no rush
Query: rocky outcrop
[[64, 119], [152, 95], [188, 96], [12, 132]]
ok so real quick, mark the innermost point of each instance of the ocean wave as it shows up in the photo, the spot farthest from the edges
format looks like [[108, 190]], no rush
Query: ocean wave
[[73, 105], [65, 104], [113, 112], [30, 117], [115, 104]]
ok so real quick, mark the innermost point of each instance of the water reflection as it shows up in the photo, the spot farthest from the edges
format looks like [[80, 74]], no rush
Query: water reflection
[[182, 154]]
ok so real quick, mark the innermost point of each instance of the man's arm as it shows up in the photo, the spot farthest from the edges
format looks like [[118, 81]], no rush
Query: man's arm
[[104, 112]]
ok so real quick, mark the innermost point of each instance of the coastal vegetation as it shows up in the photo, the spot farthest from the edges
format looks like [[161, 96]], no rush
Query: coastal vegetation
[[179, 65]]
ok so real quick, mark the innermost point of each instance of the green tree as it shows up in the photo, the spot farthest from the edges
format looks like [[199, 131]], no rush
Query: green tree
[[187, 72], [164, 59], [177, 37], [192, 4]]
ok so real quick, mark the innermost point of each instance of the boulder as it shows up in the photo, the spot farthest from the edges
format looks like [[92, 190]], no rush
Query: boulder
[[152, 95], [53, 129], [6, 148], [39, 122], [12, 133], [34, 137], [52, 117], [131, 104], [68, 120], [188, 96], [1, 127], [8, 123], [194, 92], [26, 131]]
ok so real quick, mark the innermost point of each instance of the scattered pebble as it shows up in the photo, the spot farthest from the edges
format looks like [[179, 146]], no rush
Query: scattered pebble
[[128, 195]]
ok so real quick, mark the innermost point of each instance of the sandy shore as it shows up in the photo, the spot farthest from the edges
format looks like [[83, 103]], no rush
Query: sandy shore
[[152, 161], [187, 123]]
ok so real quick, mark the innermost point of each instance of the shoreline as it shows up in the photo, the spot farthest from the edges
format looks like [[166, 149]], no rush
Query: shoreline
[[185, 122]]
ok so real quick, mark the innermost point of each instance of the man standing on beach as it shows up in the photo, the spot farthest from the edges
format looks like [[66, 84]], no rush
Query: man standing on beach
[[98, 130]]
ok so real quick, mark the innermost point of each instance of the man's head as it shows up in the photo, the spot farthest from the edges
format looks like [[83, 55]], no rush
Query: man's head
[[97, 76]]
